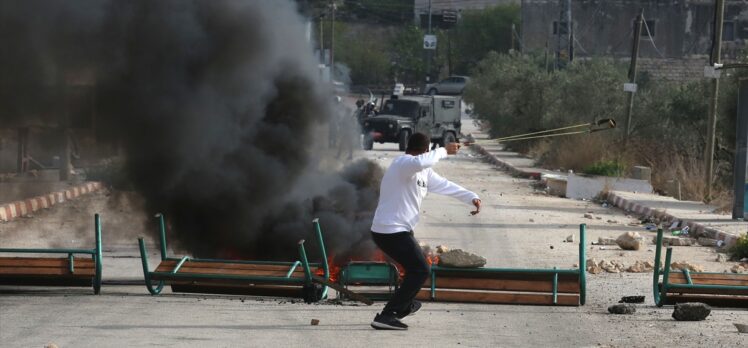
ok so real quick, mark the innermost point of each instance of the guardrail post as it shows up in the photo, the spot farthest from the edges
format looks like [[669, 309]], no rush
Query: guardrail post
[[162, 233], [582, 264], [305, 262], [97, 255], [656, 276], [146, 273], [323, 251], [665, 276]]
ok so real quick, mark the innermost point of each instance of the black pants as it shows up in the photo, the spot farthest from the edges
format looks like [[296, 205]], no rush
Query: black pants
[[403, 248]]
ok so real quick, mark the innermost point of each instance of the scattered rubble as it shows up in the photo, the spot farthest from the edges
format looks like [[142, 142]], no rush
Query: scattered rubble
[[622, 308], [588, 216], [615, 266], [707, 242], [606, 241], [742, 328], [679, 266], [425, 248], [721, 258], [612, 221], [315, 322], [441, 249], [569, 239], [632, 299], [593, 267], [739, 268], [641, 267], [675, 241], [691, 311], [460, 258], [630, 241]]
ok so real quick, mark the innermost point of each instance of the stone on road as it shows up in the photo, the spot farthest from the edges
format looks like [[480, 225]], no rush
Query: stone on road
[[691, 311], [622, 308], [461, 259]]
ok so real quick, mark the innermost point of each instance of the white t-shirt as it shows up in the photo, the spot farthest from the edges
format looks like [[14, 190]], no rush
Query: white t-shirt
[[404, 185]]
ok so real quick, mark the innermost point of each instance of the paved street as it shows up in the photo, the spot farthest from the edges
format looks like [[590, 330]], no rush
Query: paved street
[[516, 229]]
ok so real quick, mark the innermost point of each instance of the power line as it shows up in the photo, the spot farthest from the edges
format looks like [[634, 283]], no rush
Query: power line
[[651, 39], [580, 46]]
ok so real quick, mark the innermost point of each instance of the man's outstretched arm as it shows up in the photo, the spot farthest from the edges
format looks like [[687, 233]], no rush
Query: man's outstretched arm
[[414, 164], [442, 186]]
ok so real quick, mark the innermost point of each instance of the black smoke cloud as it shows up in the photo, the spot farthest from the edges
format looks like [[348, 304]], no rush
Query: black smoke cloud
[[217, 106]]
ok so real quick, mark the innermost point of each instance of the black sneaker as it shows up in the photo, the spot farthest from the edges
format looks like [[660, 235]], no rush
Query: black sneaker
[[387, 322], [414, 307]]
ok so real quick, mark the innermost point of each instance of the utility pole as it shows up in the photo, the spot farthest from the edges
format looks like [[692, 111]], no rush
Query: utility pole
[[741, 151], [428, 52], [563, 39], [569, 33], [719, 17], [632, 74], [511, 33], [332, 44], [321, 39]]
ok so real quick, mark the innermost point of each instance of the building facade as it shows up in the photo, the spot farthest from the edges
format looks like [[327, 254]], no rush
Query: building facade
[[674, 29], [448, 8]]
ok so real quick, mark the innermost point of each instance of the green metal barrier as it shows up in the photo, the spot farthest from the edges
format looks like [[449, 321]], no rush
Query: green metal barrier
[[371, 273], [287, 280], [660, 290], [95, 254], [552, 274]]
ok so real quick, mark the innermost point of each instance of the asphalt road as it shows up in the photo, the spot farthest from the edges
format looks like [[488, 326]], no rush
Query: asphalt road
[[516, 229]]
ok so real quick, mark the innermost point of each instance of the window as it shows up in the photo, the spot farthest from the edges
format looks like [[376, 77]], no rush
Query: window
[[741, 30], [728, 31], [564, 28], [425, 111], [648, 23]]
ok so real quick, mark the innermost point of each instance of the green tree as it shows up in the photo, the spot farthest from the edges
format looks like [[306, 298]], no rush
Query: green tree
[[480, 32], [381, 11], [407, 54], [368, 60]]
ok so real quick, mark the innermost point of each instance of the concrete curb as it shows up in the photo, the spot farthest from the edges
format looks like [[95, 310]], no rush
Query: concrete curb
[[697, 228], [13, 210], [490, 158]]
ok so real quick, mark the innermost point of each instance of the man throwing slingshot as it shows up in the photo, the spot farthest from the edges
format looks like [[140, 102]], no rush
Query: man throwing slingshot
[[408, 179]]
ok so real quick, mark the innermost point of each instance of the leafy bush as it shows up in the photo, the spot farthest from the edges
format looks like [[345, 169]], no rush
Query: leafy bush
[[740, 249], [518, 94], [606, 168]]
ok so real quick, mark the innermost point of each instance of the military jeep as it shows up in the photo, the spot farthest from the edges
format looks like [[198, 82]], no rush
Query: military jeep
[[400, 117]]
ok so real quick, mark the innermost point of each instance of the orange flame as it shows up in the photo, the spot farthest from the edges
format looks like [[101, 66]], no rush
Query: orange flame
[[432, 259]]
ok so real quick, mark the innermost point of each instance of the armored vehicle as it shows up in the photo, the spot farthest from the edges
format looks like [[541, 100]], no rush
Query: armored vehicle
[[401, 116]]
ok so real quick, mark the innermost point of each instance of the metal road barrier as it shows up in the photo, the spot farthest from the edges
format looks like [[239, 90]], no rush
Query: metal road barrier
[[565, 287], [267, 278], [716, 289], [46, 271]]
